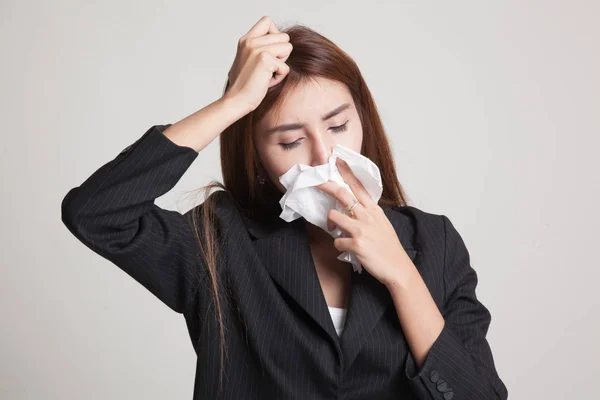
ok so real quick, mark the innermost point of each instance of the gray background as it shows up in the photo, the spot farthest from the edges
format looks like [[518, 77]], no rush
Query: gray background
[[492, 109]]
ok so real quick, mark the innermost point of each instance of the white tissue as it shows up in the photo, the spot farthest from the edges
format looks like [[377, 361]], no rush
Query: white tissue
[[303, 199]]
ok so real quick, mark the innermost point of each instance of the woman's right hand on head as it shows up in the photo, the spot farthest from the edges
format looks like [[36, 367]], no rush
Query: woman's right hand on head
[[259, 63]]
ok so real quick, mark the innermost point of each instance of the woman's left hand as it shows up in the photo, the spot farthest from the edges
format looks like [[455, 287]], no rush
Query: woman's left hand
[[371, 236]]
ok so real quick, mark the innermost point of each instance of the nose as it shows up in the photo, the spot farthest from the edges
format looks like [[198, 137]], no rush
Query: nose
[[322, 147]]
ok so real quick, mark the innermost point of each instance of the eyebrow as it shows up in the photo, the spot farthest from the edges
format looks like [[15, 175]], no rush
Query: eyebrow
[[290, 127]]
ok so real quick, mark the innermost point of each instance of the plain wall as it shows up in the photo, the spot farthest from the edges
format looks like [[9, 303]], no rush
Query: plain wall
[[492, 109]]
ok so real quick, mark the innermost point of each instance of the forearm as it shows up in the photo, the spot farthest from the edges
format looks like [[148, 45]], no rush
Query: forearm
[[113, 213], [419, 316], [199, 129], [449, 355]]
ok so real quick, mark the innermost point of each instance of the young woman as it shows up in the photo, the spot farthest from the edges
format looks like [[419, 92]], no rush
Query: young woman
[[271, 311]]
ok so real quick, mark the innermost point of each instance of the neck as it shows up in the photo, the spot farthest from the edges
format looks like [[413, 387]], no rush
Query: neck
[[316, 234]]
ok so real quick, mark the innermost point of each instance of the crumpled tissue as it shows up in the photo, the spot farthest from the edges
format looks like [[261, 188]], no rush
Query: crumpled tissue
[[303, 199]]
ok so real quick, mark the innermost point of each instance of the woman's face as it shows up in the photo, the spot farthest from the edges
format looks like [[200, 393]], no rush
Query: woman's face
[[312, 119]]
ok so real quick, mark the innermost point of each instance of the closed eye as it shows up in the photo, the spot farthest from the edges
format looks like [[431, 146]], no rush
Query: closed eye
[[340, 128], [336, 129], [289, 146]]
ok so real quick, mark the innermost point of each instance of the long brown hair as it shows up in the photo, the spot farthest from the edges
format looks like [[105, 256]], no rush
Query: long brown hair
[[312, 56]]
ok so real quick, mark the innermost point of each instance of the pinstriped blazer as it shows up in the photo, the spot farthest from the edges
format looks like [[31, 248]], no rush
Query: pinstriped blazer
[[281, 341]]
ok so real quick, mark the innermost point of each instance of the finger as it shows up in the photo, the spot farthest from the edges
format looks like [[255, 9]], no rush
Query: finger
[[344, 244], [339, 192], [270, 39], [279, 50], [344, 196], [330, 225], [355, 184], [281, 71], [277, 44], [346, 223], [264, 26]]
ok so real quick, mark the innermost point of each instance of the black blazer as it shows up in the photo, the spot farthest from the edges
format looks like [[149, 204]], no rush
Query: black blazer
[[281, 340]]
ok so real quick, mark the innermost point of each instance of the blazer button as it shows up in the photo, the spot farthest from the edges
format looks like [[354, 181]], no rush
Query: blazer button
[[449, 395], [434, 376], [442, 386]]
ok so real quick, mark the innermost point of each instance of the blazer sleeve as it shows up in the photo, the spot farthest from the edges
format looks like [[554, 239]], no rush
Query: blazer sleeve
[[460, 364], [113, 213]]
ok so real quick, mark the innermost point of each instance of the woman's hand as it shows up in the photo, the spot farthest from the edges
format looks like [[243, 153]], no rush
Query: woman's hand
[[370, 235], [259, 63]]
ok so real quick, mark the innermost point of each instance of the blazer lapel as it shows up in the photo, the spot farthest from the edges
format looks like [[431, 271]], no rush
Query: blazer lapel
[[369, 298], [285, 250]]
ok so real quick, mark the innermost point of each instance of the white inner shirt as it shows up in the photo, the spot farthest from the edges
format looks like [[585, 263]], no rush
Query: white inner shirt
[[338, 315]]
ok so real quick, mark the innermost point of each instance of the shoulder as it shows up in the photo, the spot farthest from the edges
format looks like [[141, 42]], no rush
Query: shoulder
[[416, 215], [429, 232], [424, 231], [221, 208], [420, 224]]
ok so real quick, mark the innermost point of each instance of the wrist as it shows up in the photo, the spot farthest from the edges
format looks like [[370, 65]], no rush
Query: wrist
[[404, 277], [236, 106]]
